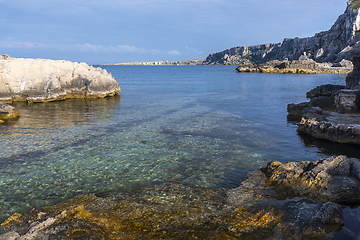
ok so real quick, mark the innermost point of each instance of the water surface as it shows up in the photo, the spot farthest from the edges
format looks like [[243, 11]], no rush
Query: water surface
[[207, 126]]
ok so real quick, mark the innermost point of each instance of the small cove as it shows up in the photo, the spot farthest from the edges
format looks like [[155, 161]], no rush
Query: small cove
[[206, 126]]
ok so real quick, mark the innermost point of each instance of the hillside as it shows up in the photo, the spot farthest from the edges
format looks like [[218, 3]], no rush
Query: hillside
[[332, 45]]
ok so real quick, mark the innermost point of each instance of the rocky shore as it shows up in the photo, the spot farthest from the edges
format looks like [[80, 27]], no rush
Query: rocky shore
[[283, 201], [302, 66], [333, 112], [329, 46]]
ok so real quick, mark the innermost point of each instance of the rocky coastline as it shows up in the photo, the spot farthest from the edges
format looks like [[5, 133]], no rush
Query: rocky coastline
[[293, 200], [333, 112], [329, 46], [302, 200], [302, 66]]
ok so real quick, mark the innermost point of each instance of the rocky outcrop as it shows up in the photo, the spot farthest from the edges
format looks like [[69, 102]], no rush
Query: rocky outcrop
[[341, 133], [333, 111], [327, 46], [304, 66], [175, 211], [8, 112], [326, 90], [353, 78], [335, 179], [319, 118], [40, 80]]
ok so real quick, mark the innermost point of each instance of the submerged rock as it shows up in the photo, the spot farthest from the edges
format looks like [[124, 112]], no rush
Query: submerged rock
[[8, 112], [40, 80], [335, 179], [176, 211]]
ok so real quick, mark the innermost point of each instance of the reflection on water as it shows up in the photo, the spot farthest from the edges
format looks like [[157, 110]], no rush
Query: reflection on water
[[331, 148]]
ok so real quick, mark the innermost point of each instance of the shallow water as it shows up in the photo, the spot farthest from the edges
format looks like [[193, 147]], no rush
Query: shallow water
[[207, 126]]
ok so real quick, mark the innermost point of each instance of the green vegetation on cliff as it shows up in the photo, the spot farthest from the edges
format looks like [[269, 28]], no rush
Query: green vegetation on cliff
[[355, 4]]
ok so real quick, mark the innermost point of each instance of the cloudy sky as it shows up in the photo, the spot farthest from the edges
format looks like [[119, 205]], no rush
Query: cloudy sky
[[114, 31]]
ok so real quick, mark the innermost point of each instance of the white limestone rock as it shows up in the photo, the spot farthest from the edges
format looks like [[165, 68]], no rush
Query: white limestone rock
[[41, 80]]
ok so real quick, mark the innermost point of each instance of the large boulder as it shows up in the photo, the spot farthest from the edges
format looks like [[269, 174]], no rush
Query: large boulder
[[40, 80], [335, 179]]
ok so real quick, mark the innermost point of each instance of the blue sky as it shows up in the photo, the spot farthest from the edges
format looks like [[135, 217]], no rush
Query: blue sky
[[114, 31]]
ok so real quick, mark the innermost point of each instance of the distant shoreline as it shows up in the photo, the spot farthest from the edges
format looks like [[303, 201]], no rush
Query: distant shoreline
[[186, 62]]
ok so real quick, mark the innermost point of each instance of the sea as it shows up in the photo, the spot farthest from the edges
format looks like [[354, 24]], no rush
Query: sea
[[206, 126]]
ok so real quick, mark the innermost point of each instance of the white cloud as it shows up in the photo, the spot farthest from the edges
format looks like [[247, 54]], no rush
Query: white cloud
[[87, 47], [174, 52], [193, 50]]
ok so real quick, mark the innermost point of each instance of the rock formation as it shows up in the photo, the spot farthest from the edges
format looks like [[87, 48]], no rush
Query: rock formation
[[327, 46], [8, 112], [175, 211], [328, 115], [40, 80], [304, 66], [333, 113], [335, 179]]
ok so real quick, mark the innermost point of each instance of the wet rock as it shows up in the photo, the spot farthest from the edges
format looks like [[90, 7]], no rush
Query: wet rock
[[335, 179], [40, 80], [308, 219], [175, 211], [8, 112]]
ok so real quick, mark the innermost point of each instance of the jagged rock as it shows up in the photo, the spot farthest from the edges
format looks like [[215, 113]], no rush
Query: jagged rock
[[332, 46], [40, 80], [347, 101], [324, 90], [4, 57], [8, 112], [335, 179]]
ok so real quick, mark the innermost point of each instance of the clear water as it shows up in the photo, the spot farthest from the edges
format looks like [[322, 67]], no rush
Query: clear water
[[202, 125]]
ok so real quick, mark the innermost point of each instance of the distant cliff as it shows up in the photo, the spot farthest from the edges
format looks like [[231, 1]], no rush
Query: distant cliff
[[327, 46]]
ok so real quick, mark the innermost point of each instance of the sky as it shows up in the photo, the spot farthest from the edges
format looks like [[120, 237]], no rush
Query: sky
[[118, 31]]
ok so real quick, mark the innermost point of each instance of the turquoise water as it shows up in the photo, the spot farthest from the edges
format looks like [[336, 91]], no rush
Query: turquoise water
[[207, 126]]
